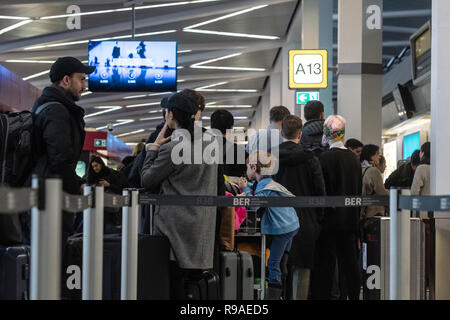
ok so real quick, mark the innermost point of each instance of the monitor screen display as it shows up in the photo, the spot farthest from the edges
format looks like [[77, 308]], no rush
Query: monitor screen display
[[411, 143], [133, 66]]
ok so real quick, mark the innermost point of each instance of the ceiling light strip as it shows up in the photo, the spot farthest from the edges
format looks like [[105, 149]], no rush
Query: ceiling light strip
[[29, 61], [14, 18], [36, 75], [233, 34], [109, 109], [15, 26], [228, 68], [143, 105], [130, 133]]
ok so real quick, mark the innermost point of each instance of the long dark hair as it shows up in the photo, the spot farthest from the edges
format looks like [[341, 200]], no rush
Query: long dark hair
[[92, 176], [368, 151], [426, 149], [184, 119]]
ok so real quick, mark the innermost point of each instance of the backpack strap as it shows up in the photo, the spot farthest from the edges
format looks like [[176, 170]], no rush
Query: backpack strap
[[43, 106]]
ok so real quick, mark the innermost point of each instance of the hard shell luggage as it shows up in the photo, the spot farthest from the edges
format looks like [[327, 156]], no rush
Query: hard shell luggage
[[203, 285], [153, 268], [237, 275], [14, 272], [376, 260]]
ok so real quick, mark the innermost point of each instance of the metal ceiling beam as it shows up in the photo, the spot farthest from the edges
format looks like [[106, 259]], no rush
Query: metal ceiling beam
[[152, 21]]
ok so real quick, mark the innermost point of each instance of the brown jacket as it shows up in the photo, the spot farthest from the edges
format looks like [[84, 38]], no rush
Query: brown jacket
[[372, 185]]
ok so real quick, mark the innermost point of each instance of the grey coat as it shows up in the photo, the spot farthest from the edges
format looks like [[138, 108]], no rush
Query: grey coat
[[191, 230]]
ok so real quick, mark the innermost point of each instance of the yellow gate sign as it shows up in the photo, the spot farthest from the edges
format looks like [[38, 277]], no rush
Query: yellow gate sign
[[308, 69]]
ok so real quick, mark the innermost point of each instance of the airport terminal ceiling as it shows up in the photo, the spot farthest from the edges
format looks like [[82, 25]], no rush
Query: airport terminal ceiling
[[247, 33]]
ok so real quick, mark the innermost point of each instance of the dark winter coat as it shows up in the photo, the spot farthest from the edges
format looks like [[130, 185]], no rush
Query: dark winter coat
[[343, 177], [312, 137], [59, 137], [402, 177], [300, 172]]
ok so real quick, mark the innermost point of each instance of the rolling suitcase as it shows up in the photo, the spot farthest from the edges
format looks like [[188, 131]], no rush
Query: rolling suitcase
[[14, 272], [202, 286], [237, 276], [153, 267]]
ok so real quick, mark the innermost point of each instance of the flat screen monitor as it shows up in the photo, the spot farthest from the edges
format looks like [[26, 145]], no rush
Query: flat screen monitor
[[411, 143], [124, 66]]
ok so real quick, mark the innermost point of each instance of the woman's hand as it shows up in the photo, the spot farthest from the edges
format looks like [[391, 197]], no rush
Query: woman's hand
[[160, 139], [242, 182], [104, 183]]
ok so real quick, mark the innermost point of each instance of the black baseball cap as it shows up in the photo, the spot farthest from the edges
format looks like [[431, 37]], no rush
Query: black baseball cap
[[67, 66], [182, 102]]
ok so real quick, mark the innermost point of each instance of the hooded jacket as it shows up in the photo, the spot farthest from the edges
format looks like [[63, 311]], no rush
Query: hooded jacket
[[300, 172], [58, 132], [276, 220], [312, 137]]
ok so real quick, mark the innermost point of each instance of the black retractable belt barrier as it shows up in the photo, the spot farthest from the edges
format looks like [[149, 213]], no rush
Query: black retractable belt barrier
[[300, 202], [17, 200], [76, 203], [116, 201]]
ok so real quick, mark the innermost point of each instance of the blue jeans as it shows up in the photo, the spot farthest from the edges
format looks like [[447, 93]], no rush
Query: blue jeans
[[280, 243]]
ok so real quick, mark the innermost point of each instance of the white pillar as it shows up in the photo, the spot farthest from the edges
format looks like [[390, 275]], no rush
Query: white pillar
[[360, 68], [440, 131], [317, 33]]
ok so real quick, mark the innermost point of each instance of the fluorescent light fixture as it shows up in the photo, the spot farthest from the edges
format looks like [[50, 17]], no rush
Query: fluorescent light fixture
[[211, 103], [130, 133], [240, 118], [229, 34], [180, 67], [225, 17], [30, 61], [159, 93], [102, 39], [184, 51], [107, 109], [228, 90], [229, 106], [233, 34], [155, 111], [86, 93], [143, 104], [36, 75], [206, 118], [125, 9], [201, 65], [119, 123], [212, 85], [181, 80], [133, 97], [227, 68], [152, 118], [238, 128], [14, 18], [15, 26]]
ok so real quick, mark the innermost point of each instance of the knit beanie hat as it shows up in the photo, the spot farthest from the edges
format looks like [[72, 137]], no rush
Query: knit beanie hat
[[334, 128]]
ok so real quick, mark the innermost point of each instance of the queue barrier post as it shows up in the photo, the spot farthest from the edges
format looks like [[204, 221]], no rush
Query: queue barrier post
[[93, 245], [46, 248], [400, 249], [130, 223]]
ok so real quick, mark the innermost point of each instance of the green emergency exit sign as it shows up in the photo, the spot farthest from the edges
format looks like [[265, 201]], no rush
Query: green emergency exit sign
[[99, 142], [304, 97]]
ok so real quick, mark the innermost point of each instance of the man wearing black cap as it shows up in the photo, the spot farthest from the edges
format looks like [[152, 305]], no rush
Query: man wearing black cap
[[59, 127]]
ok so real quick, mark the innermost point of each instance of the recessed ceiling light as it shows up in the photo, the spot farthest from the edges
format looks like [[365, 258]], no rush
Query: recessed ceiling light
[[152, 118], [229, 34], [119, 123], [143, 104], [30, 61], [14, 18], [108, 109], [130, 133], [15, 26], [233, 34], [102, 39], [36, 75]]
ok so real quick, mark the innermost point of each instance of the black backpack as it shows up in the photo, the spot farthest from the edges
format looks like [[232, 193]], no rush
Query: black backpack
[[16, 156], [16, 146]]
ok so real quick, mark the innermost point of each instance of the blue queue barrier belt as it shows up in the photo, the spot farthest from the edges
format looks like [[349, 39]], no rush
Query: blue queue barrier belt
[[424, 203], [298, 202]]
